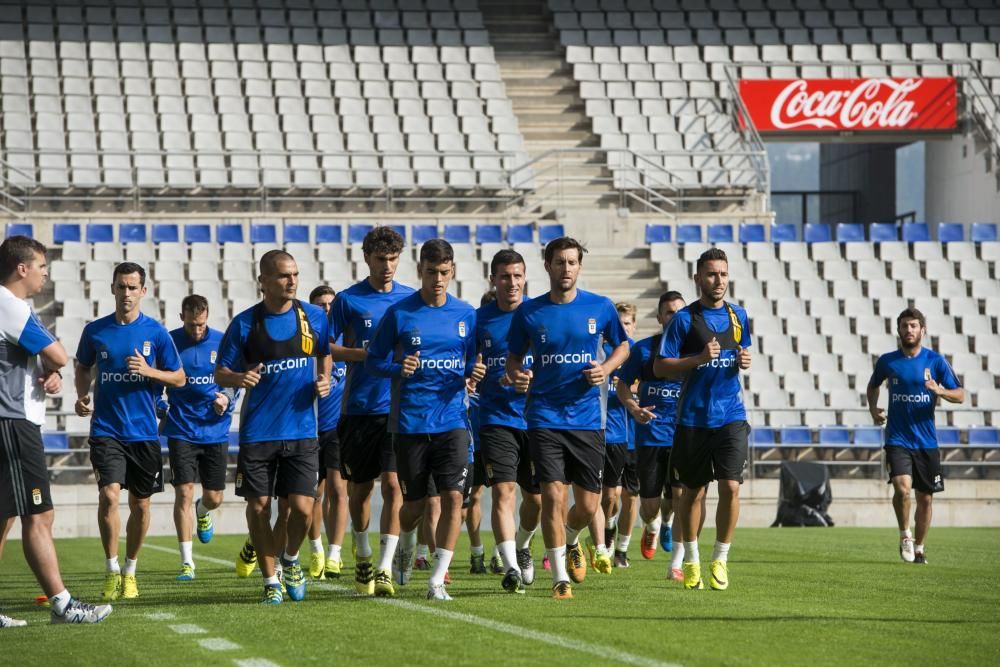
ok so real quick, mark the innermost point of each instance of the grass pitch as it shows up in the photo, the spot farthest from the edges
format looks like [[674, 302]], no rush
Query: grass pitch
[[838, 596]]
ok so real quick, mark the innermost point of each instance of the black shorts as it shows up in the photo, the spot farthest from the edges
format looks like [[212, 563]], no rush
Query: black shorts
[[654, 464], [329, 452], [443, 457], [366, 449], [136, 466], [24, 477], [506, 457], [279, 467], [701, 455], [923, 465], [478, 469], [432, 490], [190, 462], [620, 468], [570, 457]]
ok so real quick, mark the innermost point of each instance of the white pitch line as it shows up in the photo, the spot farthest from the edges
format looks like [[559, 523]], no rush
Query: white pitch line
[[596, 650], [188, 629], [218, 644], [255, 662], [161, 616]]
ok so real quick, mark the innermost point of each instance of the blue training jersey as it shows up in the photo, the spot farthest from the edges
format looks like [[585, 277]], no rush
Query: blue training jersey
[[619, 426], [474, 419], [329, 407], [564, 339], [283, 404], [125, 402], [910, 422], [355, 315], [190, 415], [498, 405], [660, 395], [433, 399], [711, 394]]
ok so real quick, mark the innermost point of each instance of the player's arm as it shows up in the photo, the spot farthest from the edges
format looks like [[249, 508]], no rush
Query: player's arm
[[168, 371], [874, 390], [617, 357], [669, 363], [339, 318], [354, 354], [379, 360], [230, 371], [53, 356], [82, 381], [518, 343]]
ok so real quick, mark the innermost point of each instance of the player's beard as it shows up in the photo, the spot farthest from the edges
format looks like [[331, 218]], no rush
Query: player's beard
[[909, 347]]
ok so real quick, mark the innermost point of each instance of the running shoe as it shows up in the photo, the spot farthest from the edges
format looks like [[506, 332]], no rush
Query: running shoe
[[648, 544], [609, 536], [512, 582], [561, 590], [546, 565], [112, 586], [8, 622], [692, 576], [677, 574], [621, 559], [591, 552], [187, 572], [719, 580], [421, 563], [402, 565], [246, 561], [206, 527], [496, 565], [80, 612], [437, 593], [130, 588], [906, 550], [477, 564], [294, 580], [332, 568], [382, 582], [527, 565], [666, 537], [364, 578], [317, 565], [272, 594], [576, 563], [919, 558]]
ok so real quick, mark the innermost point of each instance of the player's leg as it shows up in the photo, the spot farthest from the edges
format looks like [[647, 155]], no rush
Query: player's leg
[[610, 498], [256, 470], [923, 524], [629, 509], [729, 456], [336, 521], [143, 477], [212, 472], [184, 525], [928, 479], [530, 511], [473, 520], [666, 506], [651, 475], [135, 534], [447, 463], [901, 471], [7, 525], [108, 460], [295, 483], [314, 530]]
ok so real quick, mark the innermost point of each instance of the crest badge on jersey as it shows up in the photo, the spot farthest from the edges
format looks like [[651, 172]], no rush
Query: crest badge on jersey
[[461, 329], [146, 348], [36, 496], [592, 325], [211, 356]]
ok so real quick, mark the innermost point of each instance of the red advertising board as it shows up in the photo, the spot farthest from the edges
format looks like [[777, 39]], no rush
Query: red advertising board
[[851, 105]]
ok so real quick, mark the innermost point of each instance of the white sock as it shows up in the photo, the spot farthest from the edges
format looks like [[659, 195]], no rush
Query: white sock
[[677, 556], [386, 550], [523, 538], [408, 540], [422, 551], [508, 554], [903, 534], [278, 570], [611, 522], [130, 564], [112, 565], [333, 553], [60, 601], [572, 536], [186, 555], [721, 551], [557, 559], [654, 525], [272, 581], [602, 549], [919, 548], [480, 550], [199, 509], [691, 552], [289, 558], [316, 545], [442, 560], [622, 541], [363, 548]]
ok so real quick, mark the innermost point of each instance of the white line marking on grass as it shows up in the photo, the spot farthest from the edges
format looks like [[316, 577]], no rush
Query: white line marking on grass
[[209, 559], [218, 644], [161, 616], [187, 629], [255, 662]]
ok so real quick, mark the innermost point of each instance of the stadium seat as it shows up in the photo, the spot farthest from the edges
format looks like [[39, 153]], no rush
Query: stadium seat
[[522, 233], [420, 234], [489, 234], [983, 232], [796, 435], [916, 232], [130, 232], [868, 436], [100, 233], [836, 436], [951, 232], [63, 232], [165, 233], [850, 232], [292, 233], [752, 232], [762, 436], [984, 436], [197, 233], [331, 234], [547, 233], [688, 234], [55, 442], [883, 232], [815, 232], [20, 229], [229, 234], [457, 234], [356, 233], [719, 233], [949, 437], [262, 233], [657, 233]]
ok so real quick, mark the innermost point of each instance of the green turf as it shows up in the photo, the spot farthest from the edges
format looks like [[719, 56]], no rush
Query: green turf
[[805, 597]]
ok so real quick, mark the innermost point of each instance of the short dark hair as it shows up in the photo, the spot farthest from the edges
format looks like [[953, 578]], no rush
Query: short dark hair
[[437, 251], [128, 268], [382, 241], [711, 255], [504, 257], [17, 250], [669, 295], [563, 243], [489, 296], [270, 260], [322, 290], [911, 314], [194, 304]]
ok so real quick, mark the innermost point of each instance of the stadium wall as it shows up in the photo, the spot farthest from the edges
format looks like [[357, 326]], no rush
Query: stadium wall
[[960, 185]]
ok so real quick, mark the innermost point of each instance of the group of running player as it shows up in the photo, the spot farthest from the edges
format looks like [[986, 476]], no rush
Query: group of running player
[[431, 397]]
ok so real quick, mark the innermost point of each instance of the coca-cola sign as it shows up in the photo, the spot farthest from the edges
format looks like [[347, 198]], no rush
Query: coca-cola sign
[[851, 105]]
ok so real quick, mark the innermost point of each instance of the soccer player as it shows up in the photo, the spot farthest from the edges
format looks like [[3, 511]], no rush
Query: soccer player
[[30, 363], [365, 444], [707, 345], [277, 351], [502, 428], [565, 330], [196, 423], [427, 344], [472, 507], [918, 377], [130, 357]]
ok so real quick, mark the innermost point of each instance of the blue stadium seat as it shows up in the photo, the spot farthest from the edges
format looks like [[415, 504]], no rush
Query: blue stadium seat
[[132, 232], [234, 443], [197, 233], [20, 229], [330, 234], [850, 232], [688, 234], [229, 233], [883, 232], [784, 232], [817, 232], [357, 233], [657, 233], [457, 234], [399, 229], [549, 233], [489, 234], [64, 232], [55, 442], [100, 233], [983, 232], [521, 233], [263, 233], [951, 231], [949, 436], [916, 232], [796, 435], [984, 436], [762, 436], [166, 233], [296, 234], [720, 233], [835, 436], [752, 232], [423, 233], [868, 436]]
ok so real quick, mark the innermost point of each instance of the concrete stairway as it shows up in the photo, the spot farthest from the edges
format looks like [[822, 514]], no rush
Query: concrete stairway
[[625, 274]]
